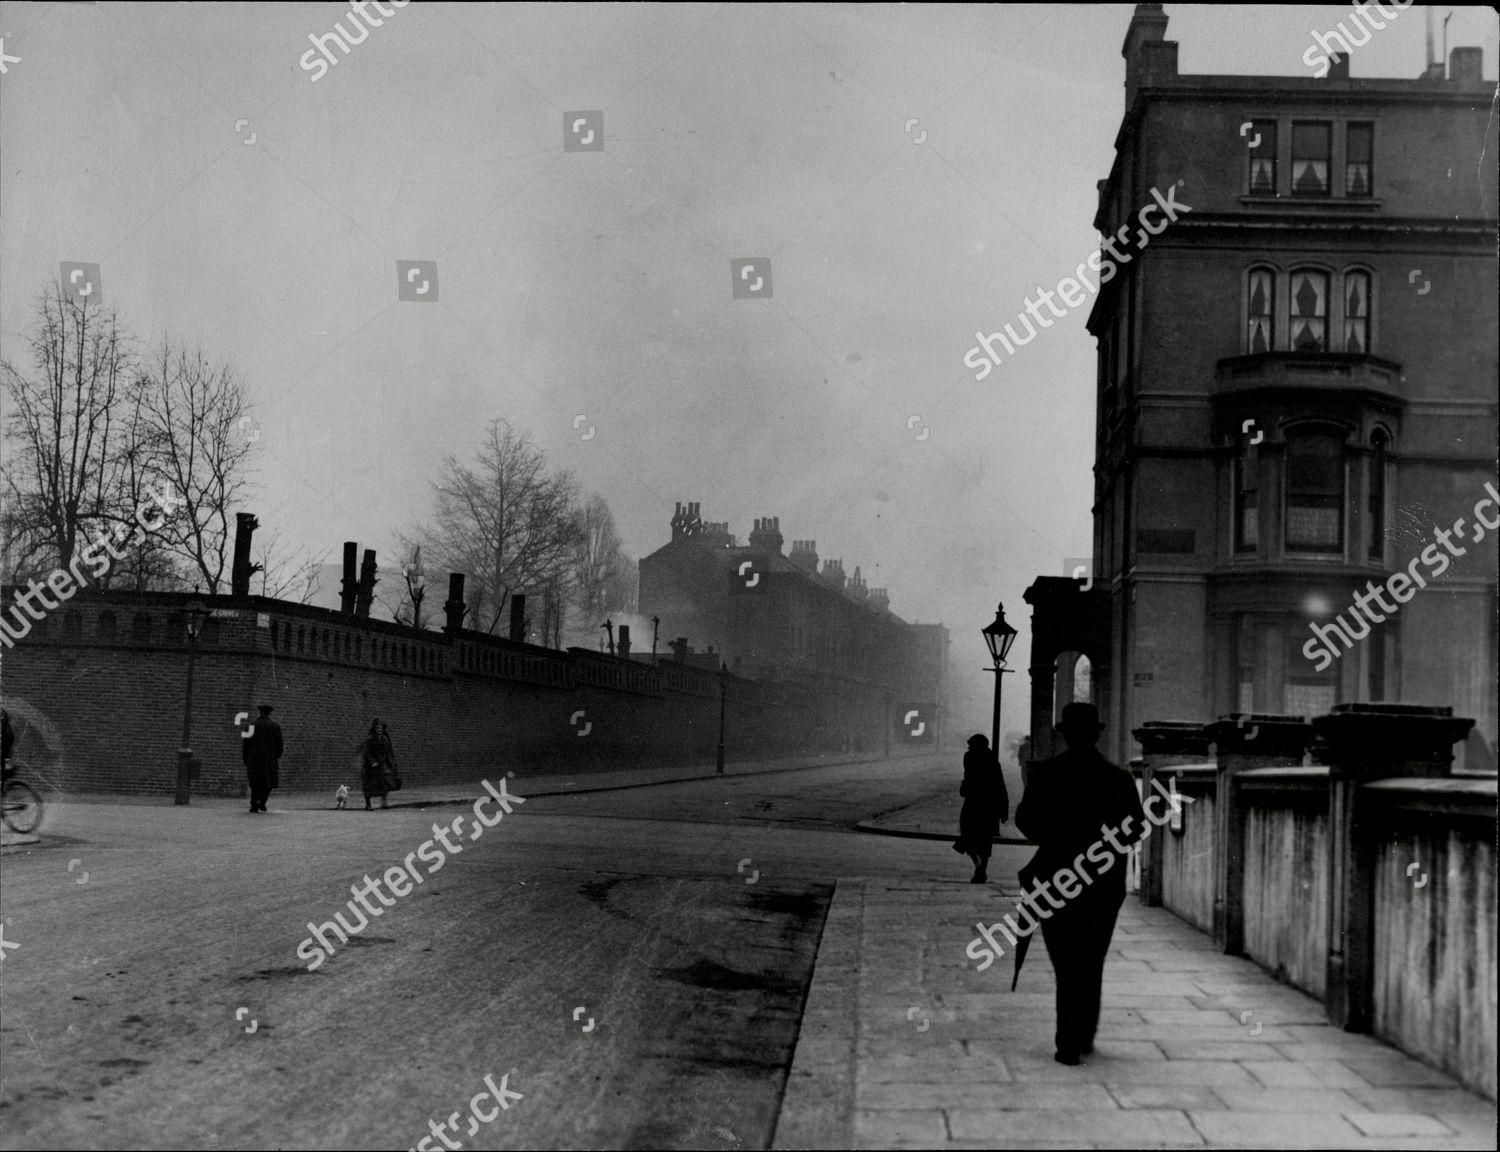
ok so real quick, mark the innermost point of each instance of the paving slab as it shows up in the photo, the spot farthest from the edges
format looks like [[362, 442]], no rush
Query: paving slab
[[938, 1054]]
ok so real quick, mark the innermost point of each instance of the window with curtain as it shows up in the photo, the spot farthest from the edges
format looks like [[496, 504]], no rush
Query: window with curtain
[[1260, 320], [1309, 318], [1375, 513], [1311, 144], [1246, 502], [1359, 146], [1314, 492], [1263, 158], [1357, 312]]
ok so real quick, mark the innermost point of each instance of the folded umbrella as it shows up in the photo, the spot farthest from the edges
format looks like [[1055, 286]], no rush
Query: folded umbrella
[[1028, 877]]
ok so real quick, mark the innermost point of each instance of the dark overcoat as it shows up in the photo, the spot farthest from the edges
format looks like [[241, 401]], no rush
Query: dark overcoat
[[1069, 800], [261, 751], [986, 802]]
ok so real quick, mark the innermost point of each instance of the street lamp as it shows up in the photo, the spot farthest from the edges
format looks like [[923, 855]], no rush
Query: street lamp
[[998, 637], [195, 614], [723, 683]]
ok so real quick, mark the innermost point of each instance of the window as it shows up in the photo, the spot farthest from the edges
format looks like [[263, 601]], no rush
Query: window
[[1309, 326], [1246, 501], [1314, 492], [1263, 158], [1260, 321], [1376, 489], [1357, 153], [1357, 312], [1310, 148], [107, 626]]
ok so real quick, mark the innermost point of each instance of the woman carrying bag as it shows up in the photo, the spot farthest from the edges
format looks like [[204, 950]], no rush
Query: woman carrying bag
[[986, 806]]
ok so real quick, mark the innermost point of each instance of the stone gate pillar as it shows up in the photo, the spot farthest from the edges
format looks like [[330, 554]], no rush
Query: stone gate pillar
[[1163, 744], [1243, 741], [1367, 742]]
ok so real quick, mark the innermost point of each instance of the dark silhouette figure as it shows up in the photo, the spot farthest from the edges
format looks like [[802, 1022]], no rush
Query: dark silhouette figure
[[986, 806], [374, 771], [1083, 813], [392, 772], [261, 751], [7, 742]]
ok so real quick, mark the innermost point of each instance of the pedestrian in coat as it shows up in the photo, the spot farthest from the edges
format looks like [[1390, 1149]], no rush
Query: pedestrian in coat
[[374, 771], [261, 751], [392, 771], [986, 805], [1074, 805]]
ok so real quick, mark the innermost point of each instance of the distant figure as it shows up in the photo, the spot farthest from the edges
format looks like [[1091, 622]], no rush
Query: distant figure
[[373, 776], [7, 742], [1074, 805], [392, 773], [986, 806], [261, 751]]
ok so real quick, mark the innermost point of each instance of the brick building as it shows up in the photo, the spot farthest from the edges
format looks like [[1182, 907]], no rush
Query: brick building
[[1297, 390], [778, 617]]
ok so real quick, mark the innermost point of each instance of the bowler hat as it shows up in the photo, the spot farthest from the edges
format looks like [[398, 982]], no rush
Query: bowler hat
[[979, 740], [265, 708], [1079, 717]]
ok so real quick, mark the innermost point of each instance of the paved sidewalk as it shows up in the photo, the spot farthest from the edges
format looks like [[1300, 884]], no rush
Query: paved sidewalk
[[905, 1044]]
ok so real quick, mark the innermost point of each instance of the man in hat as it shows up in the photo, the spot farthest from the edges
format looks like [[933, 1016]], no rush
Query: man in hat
[[1083, 813], [261, 751]]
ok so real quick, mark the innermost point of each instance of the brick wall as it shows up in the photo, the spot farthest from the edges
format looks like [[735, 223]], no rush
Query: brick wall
[[97, 690]]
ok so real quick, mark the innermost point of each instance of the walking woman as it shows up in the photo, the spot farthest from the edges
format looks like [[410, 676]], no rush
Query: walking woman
[[373, 773], [986, 806]]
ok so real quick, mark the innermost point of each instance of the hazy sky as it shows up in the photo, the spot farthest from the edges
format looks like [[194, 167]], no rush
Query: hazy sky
[[597, 283]]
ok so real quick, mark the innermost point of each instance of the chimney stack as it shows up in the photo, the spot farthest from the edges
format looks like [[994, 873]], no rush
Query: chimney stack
[[623, 644], [367, 584], [454, 607], [857, 588], [880, 599], [245, 525], [518, 617], [805, 555], [1338, 66], [833, 572], [679, 649], [349, 591], [1148, 29], [767, 534], [1466, 67]]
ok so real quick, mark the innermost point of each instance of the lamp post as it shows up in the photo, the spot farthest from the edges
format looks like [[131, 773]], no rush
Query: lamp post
[[195, 614], [723, 687], [998, 637]]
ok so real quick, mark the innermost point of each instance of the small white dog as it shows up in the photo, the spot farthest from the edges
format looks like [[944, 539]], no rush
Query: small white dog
[[341, 795]]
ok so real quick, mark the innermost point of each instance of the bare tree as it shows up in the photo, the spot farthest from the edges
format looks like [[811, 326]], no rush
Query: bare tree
[[67, 442], [285, 577], [508, 522], [410, 605], [601, 570], [192, 413]]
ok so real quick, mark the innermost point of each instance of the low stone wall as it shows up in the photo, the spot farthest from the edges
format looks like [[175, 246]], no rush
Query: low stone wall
[[97, 694], [1368, 880]]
